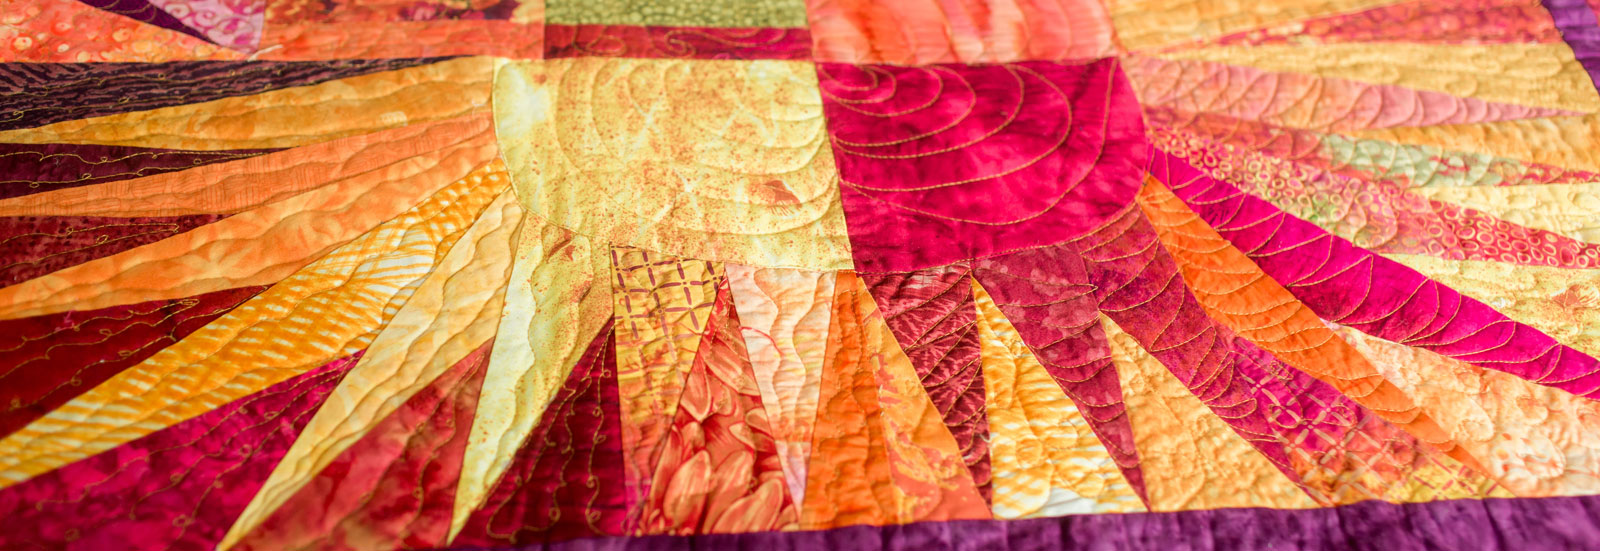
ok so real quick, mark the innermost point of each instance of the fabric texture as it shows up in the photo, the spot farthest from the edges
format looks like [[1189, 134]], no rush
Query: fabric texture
[[772, 275]]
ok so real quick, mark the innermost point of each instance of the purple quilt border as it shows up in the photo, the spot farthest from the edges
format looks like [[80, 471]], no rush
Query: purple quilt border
[[1520, 524], [1580, 30]]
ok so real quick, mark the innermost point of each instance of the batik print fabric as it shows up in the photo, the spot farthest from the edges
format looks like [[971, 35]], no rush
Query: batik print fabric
[[789, 274]]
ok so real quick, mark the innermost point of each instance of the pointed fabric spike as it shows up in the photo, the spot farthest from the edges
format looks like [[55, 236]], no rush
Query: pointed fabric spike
[[95, 36], [1336, 449], [931, 313], [1537, 440], [1567, 210], [26, 169], [1046, 294], [1145, 24], [1399, 165], [1481, 236], [454, 311], [394, 488], [331, 308], [1567, 142], [85, 90], [880, 451], [718, 470], [1137, 285], [233, 24], [1345, 453], [33, 246], [848, 480], [1506, 236], [1416, 166], [1336, 279], [290, 117], [567, 479], [1535, 75], [1312, 102], [1418, 22], [1196, 461], [931, 479], [1558, 302], [662, 307], [48, 360], [785, 315], [1381, 216], [145, 11], [1234, 291], [1047, 461], [175, 488], [558, 299], [249, 183], [1249, 134], [255, 247]]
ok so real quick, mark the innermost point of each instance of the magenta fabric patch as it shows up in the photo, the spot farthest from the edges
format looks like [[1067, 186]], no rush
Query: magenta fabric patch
[[920, 157]]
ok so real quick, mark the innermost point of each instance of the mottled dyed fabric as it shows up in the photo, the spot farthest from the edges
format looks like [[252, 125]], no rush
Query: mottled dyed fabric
[[777, 275]]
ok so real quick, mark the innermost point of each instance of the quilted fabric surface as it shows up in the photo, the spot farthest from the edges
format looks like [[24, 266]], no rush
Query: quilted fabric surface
[[778, 275]]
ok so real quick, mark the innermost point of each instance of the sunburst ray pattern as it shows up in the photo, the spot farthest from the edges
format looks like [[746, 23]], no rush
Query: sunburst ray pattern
[[847, 274]]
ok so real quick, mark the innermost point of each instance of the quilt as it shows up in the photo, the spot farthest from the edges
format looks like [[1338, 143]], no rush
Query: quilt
[[780, 275]]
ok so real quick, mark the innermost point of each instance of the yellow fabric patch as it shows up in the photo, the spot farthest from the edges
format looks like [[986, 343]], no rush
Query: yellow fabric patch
[[718, 160]]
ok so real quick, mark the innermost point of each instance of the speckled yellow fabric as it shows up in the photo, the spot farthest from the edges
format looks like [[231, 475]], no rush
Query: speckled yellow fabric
[[680, 13]]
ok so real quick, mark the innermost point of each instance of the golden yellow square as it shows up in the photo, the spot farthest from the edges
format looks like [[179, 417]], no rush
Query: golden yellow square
[[711, 159]]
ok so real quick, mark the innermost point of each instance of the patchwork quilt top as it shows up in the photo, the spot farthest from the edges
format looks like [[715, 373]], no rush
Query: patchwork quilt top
[[799, 274]]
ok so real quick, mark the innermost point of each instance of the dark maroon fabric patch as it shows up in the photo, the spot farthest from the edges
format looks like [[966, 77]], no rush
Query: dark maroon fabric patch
[[32, 246], [48, 360], [26, 169], [145, 12], [567, 481], [36, 94]]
